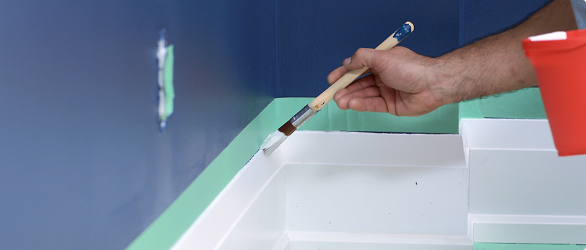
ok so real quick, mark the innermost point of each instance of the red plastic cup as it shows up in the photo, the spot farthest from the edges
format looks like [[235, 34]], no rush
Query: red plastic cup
[[561, 72]]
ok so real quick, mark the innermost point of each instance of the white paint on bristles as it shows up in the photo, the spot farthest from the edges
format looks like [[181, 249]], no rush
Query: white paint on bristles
[[343, 191], [273, 142]]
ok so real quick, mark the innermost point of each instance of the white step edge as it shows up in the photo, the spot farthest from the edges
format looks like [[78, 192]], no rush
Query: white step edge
[[534, 229], [379, 238], [507, 134]]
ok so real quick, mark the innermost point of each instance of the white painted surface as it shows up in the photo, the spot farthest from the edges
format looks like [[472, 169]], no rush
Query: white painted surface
[[373, 149], [514, 169], [253, 202], [303, 245], [347, 191], [521, 191], [507, 134], [262, 225], [526, 183], [549, 229], [530, 233], [377, 199], [283, 242], [528, 219], [302, 240]]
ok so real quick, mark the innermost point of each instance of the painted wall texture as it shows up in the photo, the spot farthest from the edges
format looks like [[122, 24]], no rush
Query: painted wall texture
[[482, 18], [314, 37], [82, 162]]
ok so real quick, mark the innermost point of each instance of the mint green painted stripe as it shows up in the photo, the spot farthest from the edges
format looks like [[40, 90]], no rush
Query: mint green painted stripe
[[521, 104], [331, 118], [168, 81], [501, 246]]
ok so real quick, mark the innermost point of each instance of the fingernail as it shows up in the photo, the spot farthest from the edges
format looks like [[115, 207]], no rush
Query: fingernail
[[348, 60]]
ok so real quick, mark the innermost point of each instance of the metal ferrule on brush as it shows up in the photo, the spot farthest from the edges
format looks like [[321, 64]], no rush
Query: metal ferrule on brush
[[297, 120], [302, 116]]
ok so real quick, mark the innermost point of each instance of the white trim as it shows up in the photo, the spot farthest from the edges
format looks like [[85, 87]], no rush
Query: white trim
[[528, 219], [221, 217], [511, 134], [379, 238], [545, 229], [332, 161], [282, 242]]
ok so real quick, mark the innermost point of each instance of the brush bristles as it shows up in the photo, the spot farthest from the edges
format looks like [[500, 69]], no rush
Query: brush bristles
[[273, 142], [287, 128], [275, 139]]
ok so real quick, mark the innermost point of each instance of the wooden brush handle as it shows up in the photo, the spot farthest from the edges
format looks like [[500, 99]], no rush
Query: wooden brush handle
[[319, 102]]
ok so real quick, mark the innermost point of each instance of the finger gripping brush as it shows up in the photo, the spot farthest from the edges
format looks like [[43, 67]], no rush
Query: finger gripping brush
[[279, 136]]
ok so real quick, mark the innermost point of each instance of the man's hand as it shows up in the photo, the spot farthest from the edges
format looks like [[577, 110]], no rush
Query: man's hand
[[401, 83], [407, 84]]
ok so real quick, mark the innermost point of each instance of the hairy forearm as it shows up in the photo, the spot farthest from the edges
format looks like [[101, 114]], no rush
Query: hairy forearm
[[497, 63]]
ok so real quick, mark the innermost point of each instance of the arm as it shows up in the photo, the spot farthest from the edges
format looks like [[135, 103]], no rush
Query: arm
[[405, 83]]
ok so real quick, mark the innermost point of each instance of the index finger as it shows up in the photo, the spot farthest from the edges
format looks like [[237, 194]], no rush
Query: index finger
[[339, 72]]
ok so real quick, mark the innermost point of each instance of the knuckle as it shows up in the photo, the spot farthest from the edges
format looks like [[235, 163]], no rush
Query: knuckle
[[361, 52]]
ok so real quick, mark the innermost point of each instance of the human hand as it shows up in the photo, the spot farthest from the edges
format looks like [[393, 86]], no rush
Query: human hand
[[401, 82]]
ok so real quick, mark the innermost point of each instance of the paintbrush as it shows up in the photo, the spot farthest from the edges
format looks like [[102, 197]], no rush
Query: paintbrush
[[275, 139]]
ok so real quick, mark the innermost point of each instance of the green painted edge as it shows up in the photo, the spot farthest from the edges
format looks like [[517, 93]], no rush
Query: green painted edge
[[521, 104], [331, 118], [168, 76], [510, 246]]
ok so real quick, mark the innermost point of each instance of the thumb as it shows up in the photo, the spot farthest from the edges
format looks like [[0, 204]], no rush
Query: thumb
[[363, 57]]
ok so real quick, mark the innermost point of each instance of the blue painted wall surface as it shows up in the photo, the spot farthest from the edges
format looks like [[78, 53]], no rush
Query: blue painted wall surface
[[482, 18], [82, 162], [83, 165], [314, 37]]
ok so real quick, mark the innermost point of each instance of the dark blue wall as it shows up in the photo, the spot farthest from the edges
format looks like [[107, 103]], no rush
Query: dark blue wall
[[82, 162], [482, 18], [314, 37]]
